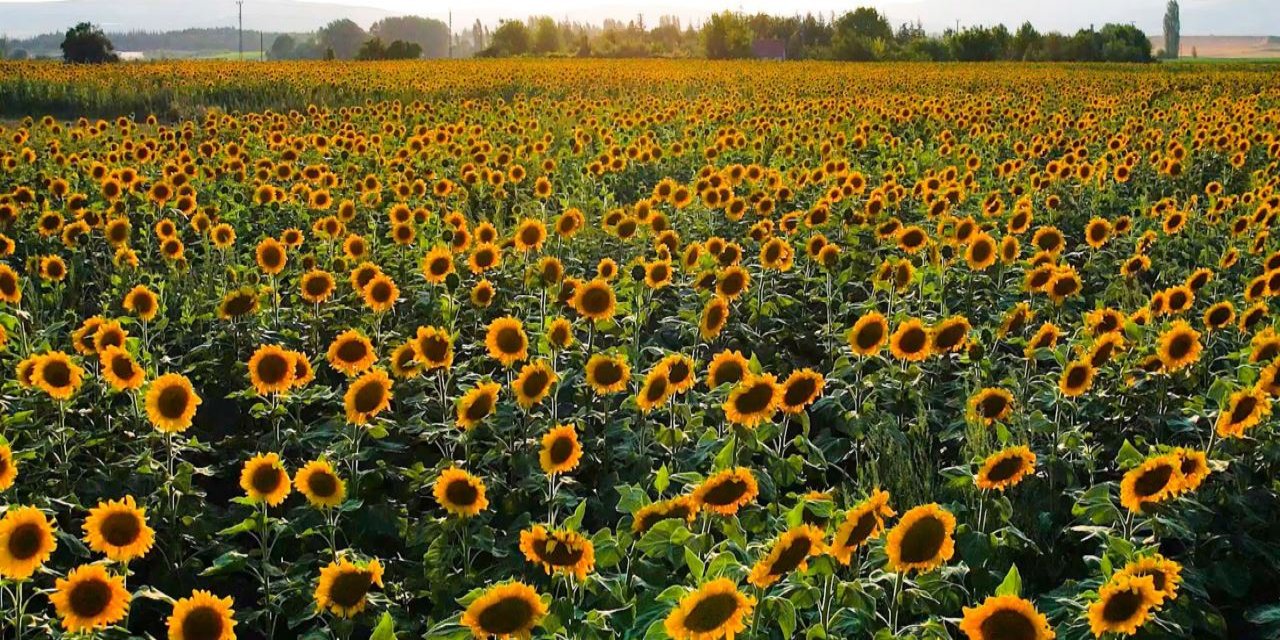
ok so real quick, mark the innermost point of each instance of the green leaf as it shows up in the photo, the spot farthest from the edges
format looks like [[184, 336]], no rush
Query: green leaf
[[786, 617], [1012, 585], [696, 566], [724, 459], [386, 629], [1128, 456], [575, 520], [663, 480]]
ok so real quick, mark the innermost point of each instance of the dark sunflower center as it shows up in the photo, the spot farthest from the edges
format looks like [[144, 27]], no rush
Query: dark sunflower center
[[8, 284], [1153, 481], [274, 368], [861, 530], [869, 335], [238, 305], [1007, 624], [121, 529], [266, 479], [950, 335], [992, 405], [440, 266], [461, 493], [1076, 377], [725, 492], [484, 259], [732, 284], [317, 286], [913, 340], [678, 372], [202, 623], [352, 351], [595, 300], [350, 587], [143, 304], [715, 315], [561, 449], [435, 349], [1219, 316], [711, 612], [656, 389], [608, 373], [173, 402], [923, 540], [755, 399], [369, 397], [25, 541], [1005, 468], [557, 552], [1180, 346], [912, 238], [799, 392], [271, 257], [1157, 577], [56, 374], [1122, 606], [981, 251], [506, 616], [791, 557], [509, 340], [90, 598], [480, 408], [535, 383], [729, 372], [380, 291], [322, 484]]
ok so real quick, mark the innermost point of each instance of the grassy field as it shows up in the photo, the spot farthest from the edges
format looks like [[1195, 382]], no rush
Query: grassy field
[[639, 349]]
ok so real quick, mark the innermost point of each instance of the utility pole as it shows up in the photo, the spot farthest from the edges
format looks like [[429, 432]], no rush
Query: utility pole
[[240, 6], [451, 34]]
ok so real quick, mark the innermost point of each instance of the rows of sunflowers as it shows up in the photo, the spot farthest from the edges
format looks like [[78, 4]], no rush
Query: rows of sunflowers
[[639, 349]]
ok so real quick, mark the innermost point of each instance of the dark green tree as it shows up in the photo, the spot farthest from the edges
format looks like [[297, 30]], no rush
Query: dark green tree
[[546, 36], [1172, 30], [343, 37], [726, 35], [431, 36], [87, 44], [510, 39], [283, 47]]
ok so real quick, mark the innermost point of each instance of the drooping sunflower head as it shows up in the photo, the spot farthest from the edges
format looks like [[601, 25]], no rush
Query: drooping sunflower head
[[863, 523], [171, 403], [344, 586], [321, 484], [460, 493], [264, 479], [1123, 605], [477, 404], [717, 609], [506, 341], [800, 390], [1005, 617], [89, 598], [118, 528], [726, 492], [922, 540], [754, 400], [202, 616], [567, 552], [1005, 469], [680, 508], [790, 552], [26, 542], [508, 610], [560, 451], [368, 395]]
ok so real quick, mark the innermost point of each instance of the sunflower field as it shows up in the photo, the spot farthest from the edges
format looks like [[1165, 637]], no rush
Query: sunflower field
[[638, 349]]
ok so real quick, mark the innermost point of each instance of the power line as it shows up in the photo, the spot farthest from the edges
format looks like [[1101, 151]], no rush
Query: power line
[[240, 6]]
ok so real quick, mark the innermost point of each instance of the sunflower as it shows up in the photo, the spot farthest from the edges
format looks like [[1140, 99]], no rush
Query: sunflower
[[437, 265], [367, 396], [533, 383], [1194, 468], [83, 337], [477, 404], [26, 542], [1104, 348], [238, 304], [303, 373], [1165, 574], [171, 403], [714, 317], [321, 484], [715, 610], [264, 479], [1077, 378], [922, 540], [1005, 469], [560, 450], [681, 508], [271, 370], [271, 256], [202, 616], [460, 493], [120, 370], [343, 588], [57, 375], [790, 552], [1123, 605], [1245, 410], [910, 341], [862, 524], [351, 353], [950, 335], [381, 293], [8, 467], [607, 374], [912, 239], [560, 334], [484, 257], [530, 234], [868, 334], [681, 372], [754, 400], [567, 552], [727, 367], [10, 285], [1046, 337], [595, 300], [991, 405], [507, 610], [1179, 346], [118, 529], [53, 269], [655, 390], [800, 390], [316, 286], [433, 347], [506, 341], [89, 598], [142, 302], [1155, 480], [727, 491], [1005, 618], [732, 282], [109, 334]]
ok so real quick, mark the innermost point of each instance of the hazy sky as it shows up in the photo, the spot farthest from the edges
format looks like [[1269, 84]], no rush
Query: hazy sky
[[1199, 17]]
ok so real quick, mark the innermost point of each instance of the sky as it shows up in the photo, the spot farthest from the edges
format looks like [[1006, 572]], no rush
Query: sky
[[1199, 17]]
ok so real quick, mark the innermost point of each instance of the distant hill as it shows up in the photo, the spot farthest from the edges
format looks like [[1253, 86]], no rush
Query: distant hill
[[27, 19], [1226, 46]]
